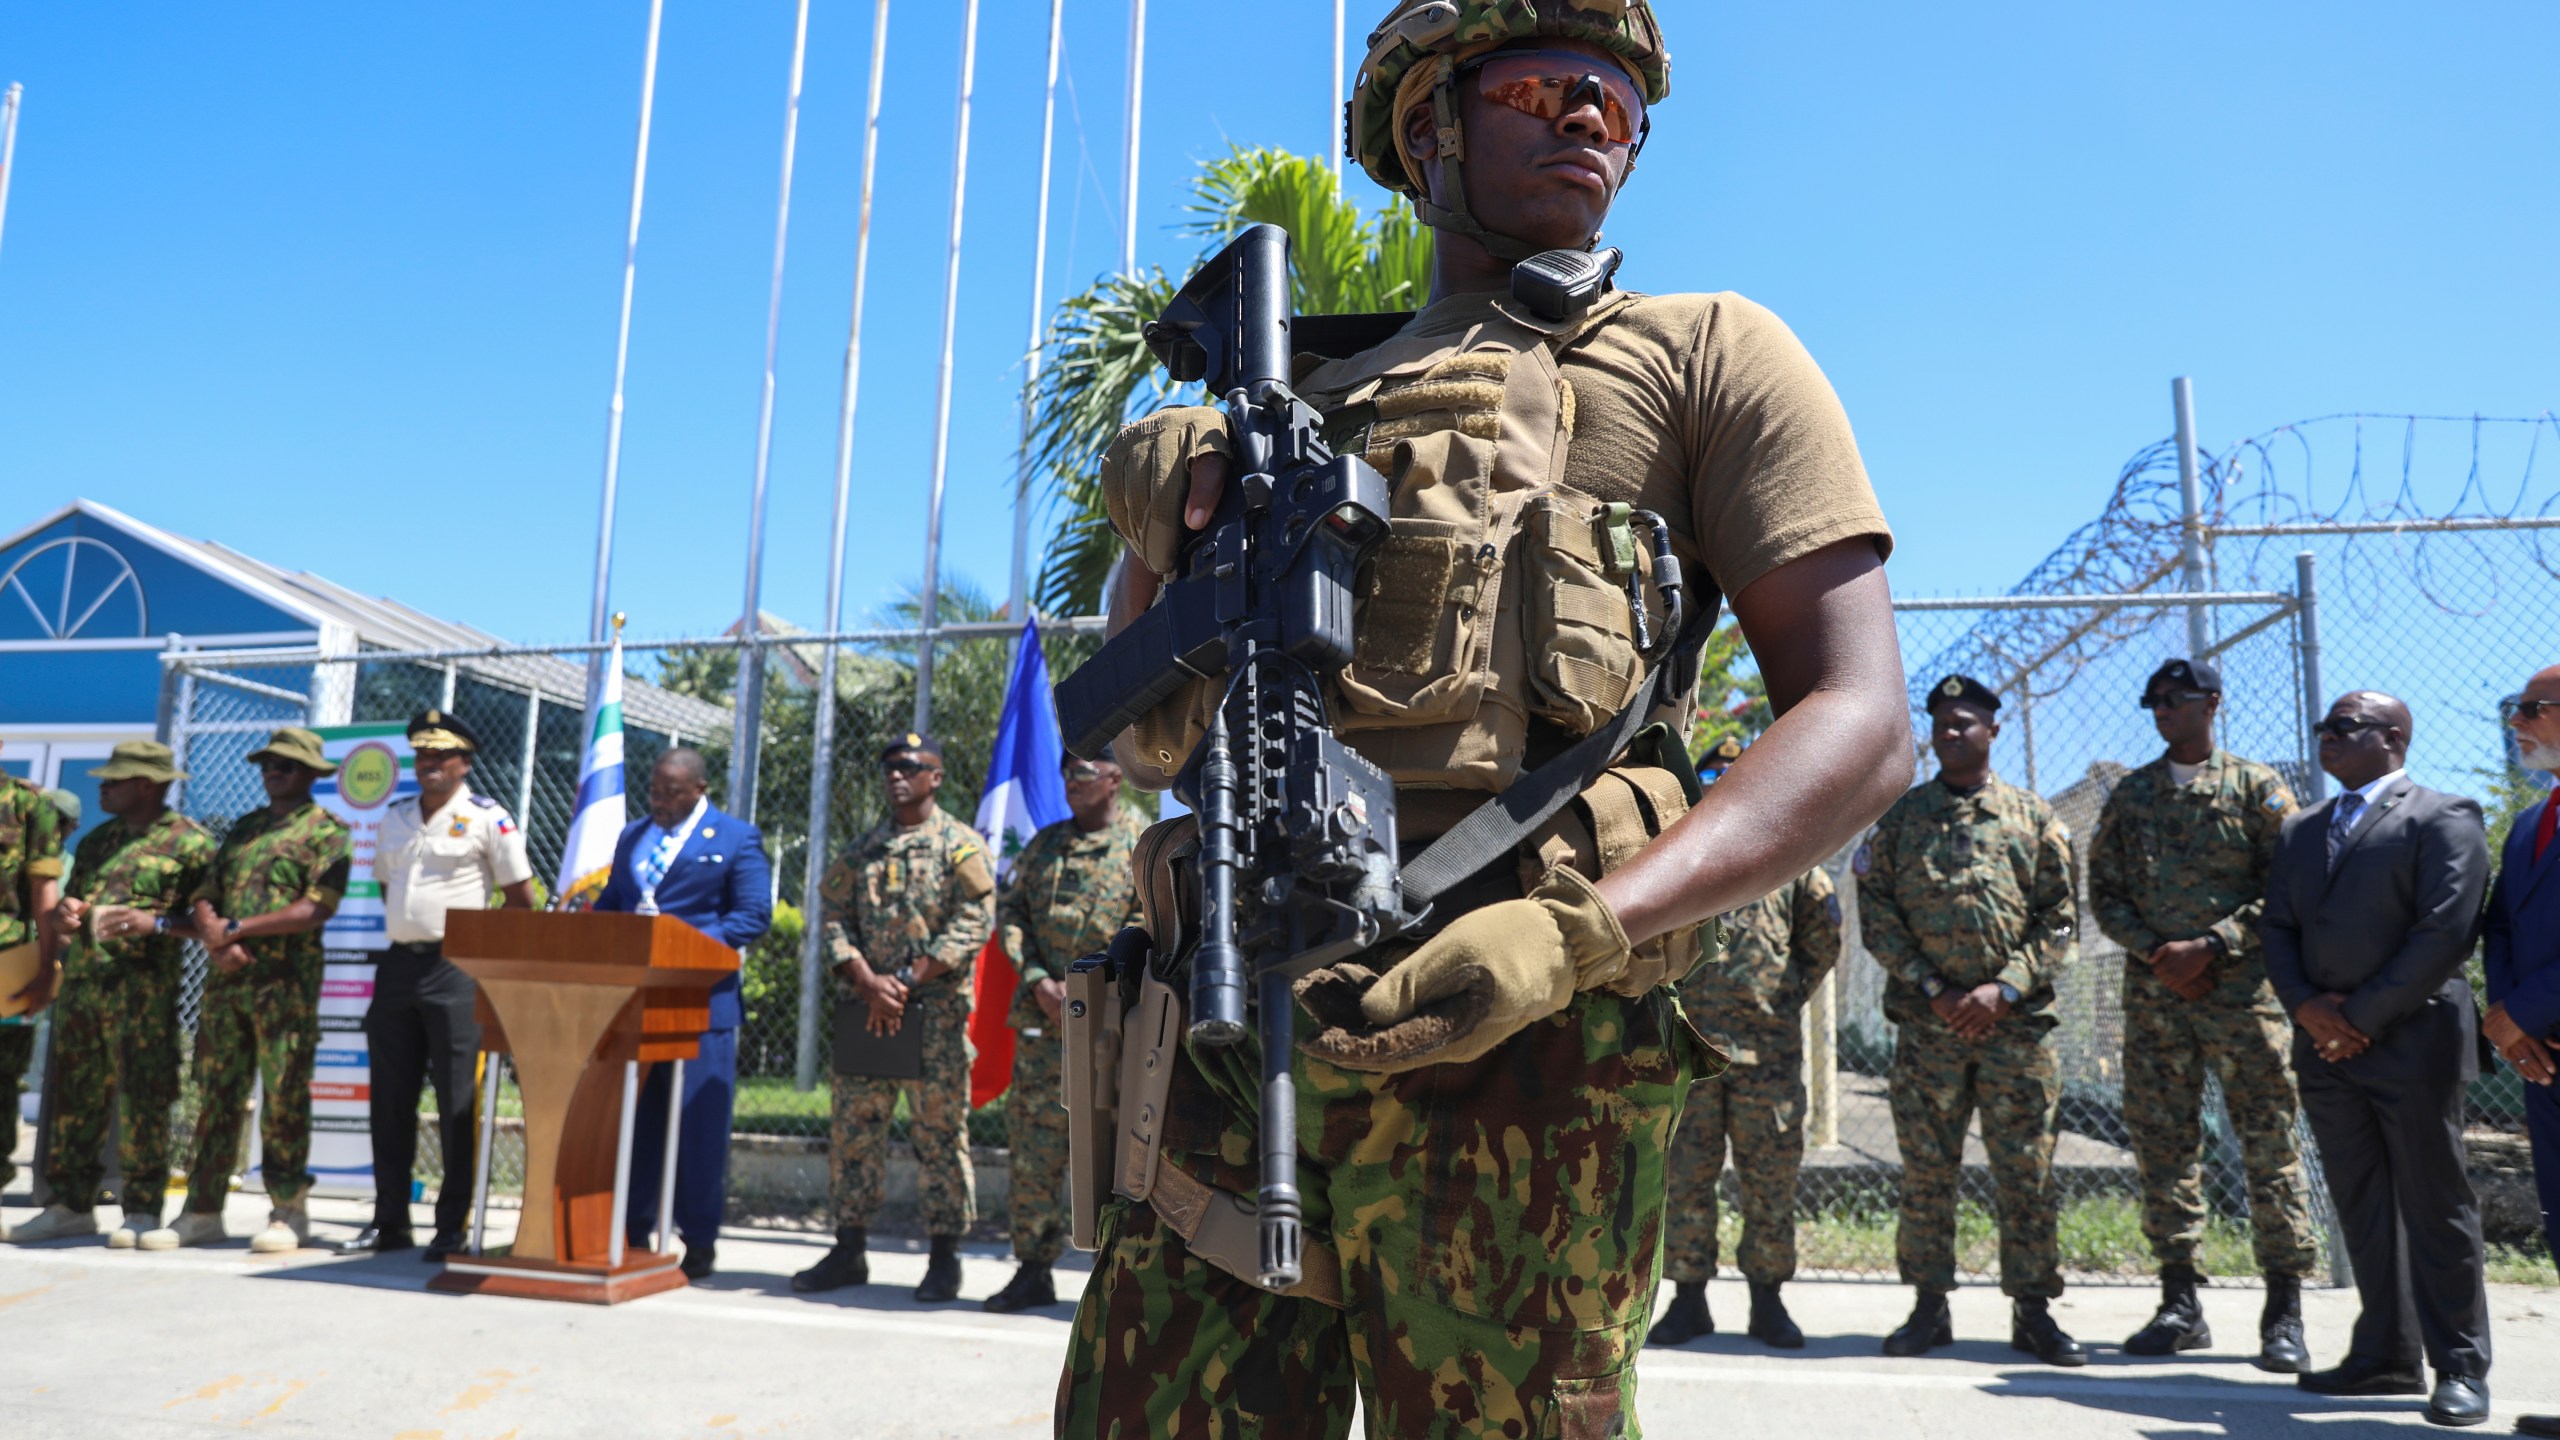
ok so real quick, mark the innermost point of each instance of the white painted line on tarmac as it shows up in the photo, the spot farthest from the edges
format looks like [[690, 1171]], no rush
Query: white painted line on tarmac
[[2038, 1384]]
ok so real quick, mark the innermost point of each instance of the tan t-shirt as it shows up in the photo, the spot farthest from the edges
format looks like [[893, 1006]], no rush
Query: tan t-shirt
[[1707, 410]]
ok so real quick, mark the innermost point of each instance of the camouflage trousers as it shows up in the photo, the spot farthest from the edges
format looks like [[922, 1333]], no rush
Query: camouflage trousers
[[1498, 1225], [1759, 1110], [115, 1038], [1938, 1082], [937, 1121], [264, 1020], [1038, 1127], [17, 1053], [2169, 1046]]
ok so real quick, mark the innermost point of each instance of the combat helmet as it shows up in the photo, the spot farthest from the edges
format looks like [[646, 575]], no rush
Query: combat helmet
[[1445, 34]]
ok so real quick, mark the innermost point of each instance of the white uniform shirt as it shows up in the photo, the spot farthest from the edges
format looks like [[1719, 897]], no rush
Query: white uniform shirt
[[450, 860]]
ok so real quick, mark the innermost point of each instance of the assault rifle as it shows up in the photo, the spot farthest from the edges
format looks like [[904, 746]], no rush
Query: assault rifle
[[1297, 862]]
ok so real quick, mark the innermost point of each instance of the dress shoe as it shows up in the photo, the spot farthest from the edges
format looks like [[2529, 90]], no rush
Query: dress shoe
[[1029, 1289], [446, 1244], [374, 1240], [2547, 1425], [1771, 1325], [2458, 1400], [2358, 1376], [2280, 1347], [2032, 1330], [58, 1222], [2178, 1325], [699, 1260], [847, 1264], [1929, 1327], [941, 1273], [1685, 1318]]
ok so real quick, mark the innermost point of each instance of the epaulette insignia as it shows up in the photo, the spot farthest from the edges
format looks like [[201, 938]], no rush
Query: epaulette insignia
[[484, 802]]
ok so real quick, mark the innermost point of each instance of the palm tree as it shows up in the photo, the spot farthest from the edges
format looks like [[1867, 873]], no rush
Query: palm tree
[[1100, 374]]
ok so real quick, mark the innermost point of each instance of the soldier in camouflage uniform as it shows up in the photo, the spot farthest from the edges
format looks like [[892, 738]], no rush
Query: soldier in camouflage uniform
[[30, 885], [1965, 898], [907, 909], [115, 1035], [2177, 876], [1071, 889], [259, 909], [1750, 1004]]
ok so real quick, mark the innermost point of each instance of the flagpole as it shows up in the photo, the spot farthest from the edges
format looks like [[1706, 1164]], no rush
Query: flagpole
[[596, 614], [1129, 159], [9, 136], [1334, 126], [822, 763], [1021, 606], [942, 396], [747, 732]]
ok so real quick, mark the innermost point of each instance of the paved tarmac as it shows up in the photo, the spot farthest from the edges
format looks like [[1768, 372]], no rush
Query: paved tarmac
[[99, 1343]]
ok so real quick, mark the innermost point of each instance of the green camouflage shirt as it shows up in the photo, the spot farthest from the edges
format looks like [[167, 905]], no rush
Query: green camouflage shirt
[[1969, 888], [900, 896], [2177, 862], [30, 850], [268, 862], [1069, 893], [1777, 949], [156, 870]]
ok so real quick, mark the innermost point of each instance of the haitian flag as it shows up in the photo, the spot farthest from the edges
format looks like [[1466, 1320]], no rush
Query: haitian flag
[[1024, 793]]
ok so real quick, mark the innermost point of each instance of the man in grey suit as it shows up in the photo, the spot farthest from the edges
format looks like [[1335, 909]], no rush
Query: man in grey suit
[[2372, 906]]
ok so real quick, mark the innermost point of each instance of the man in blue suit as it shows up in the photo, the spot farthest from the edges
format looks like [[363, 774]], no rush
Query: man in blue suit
[[709, 870], [2523, 944]]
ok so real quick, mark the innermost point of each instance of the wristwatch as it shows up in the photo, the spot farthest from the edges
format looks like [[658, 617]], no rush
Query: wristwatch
[[230, 928], [1932, 986], [2009, 992], [2221, 948]]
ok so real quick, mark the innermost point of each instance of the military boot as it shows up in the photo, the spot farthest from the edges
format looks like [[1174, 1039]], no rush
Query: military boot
[[847, 1264], [1929, 1327], [2280, 1347], [1685, 1319], [288, 1228], [941, 1273], [194, 1227], [1771, 1325], [2179, 1323], [2032, 1330], [1029, 1289], [58, 1222], [128, 1236]]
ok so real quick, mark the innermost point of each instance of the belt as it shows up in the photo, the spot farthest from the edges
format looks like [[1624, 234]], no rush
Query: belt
[[418, 947]]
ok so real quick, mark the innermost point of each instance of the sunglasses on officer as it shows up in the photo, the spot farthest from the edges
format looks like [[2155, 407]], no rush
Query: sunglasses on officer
[[1550, 84], [2346, 727], [906, 765], [2530, 711], [1079, 771], [2172, 699]]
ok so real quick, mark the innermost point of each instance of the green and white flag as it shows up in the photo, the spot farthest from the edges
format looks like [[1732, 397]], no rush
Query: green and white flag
[[587, 862]]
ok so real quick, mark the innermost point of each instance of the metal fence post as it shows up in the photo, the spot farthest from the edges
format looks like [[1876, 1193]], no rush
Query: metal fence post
[[524, 786], [2191, 508], [822, 766], [2306, 592], [2027, 723], [450, 673]]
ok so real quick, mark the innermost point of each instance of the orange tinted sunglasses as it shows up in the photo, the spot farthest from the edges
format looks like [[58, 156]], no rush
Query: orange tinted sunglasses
[[1551, 83]]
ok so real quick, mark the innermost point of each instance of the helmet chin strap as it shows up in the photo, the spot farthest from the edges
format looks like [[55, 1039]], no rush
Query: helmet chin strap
[[1510, 249]]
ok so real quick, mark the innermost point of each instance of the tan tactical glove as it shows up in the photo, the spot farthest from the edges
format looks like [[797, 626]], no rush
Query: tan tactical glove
[[1470, 987], [1146, 477]]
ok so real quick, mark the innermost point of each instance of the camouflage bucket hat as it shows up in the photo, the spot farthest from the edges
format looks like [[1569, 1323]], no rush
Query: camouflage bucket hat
[[140, 760], [1419, 32], [299, 746]]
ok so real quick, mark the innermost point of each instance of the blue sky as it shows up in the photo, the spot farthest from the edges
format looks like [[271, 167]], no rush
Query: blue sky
[[336, 284]]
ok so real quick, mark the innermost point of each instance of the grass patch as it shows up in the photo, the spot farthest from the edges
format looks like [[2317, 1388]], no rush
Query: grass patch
[[2101, 1235]]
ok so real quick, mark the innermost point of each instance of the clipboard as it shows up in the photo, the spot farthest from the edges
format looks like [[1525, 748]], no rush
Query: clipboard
[[861, 1055]]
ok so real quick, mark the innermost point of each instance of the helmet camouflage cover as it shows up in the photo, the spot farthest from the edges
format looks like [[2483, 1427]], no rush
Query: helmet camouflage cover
[[1419, 32]]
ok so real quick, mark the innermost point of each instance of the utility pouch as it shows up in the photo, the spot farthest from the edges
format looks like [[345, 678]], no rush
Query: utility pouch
[[1616, 816], [1588, 594]]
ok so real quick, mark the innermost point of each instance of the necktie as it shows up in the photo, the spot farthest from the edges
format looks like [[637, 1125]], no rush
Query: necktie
[[2543, 832], [653, 867], [2342, 823]]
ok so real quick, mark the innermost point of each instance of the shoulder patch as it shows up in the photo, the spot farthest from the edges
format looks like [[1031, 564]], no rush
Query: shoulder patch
[[2279, 800], [976, 880], [484, 802], [1831, 907], [1862, 862]]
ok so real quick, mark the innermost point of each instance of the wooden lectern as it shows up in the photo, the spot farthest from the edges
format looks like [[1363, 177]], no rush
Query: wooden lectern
[[579, 1002]]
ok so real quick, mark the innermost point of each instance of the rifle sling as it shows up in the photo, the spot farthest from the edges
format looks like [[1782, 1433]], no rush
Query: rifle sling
[[1497, 827]]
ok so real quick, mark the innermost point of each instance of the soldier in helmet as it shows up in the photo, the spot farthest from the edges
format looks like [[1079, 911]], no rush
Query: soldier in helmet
[[1484, 1103], [1965, 899]]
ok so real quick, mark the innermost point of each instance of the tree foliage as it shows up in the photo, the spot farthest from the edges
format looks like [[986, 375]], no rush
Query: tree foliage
[[1732, 698]]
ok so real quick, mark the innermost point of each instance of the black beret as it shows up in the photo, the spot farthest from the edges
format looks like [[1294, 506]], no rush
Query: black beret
[[912, 743], [1965, 688], [441, 730], [2189, 674]]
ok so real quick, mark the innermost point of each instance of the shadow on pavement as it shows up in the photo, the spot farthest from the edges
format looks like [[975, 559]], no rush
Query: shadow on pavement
[[2237, 1406]]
